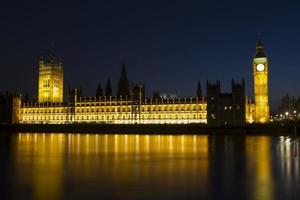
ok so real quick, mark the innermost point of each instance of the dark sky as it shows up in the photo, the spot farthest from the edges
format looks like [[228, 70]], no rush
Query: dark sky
[[169, 45]]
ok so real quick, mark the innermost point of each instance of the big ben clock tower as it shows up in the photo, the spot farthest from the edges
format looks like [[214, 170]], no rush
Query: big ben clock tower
[[261, 76]]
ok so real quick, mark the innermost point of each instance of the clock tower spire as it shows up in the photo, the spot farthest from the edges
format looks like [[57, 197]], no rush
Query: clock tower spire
[[261, 78], [260, 49]]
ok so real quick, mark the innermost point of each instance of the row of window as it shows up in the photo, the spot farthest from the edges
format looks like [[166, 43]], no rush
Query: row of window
[[33, 118], [112, 117], [128, 103], [126, 117], [107, 109], [46, 83], [33, 111]]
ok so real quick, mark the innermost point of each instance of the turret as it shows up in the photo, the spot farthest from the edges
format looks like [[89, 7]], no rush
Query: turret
[[123, 83], [51, 77], [260, 49]]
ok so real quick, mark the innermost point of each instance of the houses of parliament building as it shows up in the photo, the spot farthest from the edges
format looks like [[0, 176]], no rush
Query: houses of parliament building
[[130, 106]]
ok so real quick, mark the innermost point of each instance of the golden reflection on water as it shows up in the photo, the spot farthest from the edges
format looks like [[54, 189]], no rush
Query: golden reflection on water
[[158, 159], [50, 166], [258, 152], [33, 151]]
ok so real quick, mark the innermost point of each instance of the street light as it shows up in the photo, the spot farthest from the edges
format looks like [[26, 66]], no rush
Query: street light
[[295, 123]]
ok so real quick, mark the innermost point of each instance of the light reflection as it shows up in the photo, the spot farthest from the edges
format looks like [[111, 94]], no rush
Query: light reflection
[[91, 154], [178, 161], [43, 160], [288, 151], [258, 152], [117, 143]]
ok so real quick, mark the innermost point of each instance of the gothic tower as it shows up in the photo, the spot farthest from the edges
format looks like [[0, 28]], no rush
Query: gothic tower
[[123, 84], [108, 89], [199, 91], [51, 79], [260, 76]]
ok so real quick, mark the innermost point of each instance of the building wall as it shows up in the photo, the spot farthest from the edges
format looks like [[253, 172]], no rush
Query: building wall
[[112, 111], [44, 113], [226, 109], [261, 91], [261, 76], [250, 111], [50, 87]]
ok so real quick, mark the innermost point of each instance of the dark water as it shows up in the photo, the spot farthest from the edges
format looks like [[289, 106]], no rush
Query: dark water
[[74, 166]]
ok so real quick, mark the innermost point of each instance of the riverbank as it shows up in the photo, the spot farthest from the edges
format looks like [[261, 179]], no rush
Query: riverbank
[[256, 129]]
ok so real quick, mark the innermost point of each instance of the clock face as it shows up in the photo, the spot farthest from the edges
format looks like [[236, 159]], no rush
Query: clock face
[[260, 67]]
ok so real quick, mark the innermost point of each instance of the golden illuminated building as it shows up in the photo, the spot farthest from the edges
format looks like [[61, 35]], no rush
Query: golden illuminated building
[[116, 111], [250, 111], [51, 78], [260, 76], [51, 109]]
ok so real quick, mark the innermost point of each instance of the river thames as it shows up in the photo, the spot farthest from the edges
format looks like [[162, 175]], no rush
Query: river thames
[[106, 166]]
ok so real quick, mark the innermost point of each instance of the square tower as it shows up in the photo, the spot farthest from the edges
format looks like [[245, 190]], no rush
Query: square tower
[[226, 109], [261, 89], [51, 80]]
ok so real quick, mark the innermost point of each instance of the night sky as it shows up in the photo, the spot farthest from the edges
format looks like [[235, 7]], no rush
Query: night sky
[[168, 45]]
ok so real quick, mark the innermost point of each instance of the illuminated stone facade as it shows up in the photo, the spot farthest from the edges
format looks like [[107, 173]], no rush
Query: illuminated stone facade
[[260, 76], [250, 111], [51, 79], [115, 111]]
